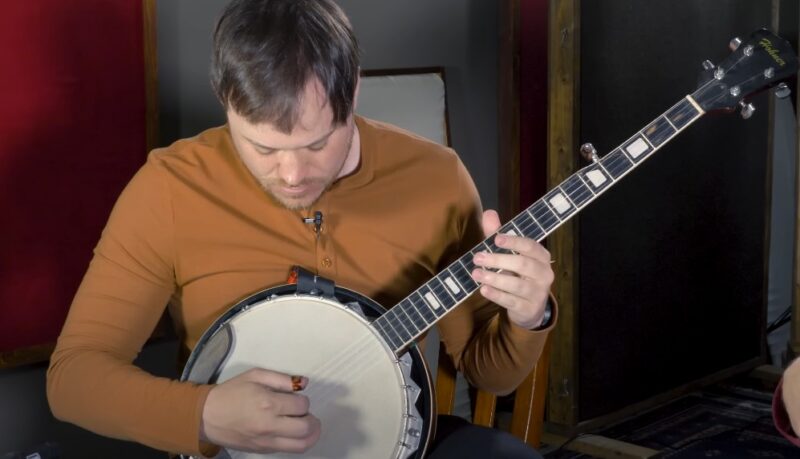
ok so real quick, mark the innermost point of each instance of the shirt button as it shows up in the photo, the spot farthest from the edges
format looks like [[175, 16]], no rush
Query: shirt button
[[326, 262]]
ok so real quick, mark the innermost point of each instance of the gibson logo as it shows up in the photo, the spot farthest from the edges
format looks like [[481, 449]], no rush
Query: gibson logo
[[767, 45]]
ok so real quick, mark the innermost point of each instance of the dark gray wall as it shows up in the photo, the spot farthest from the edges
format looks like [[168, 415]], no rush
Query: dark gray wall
[[459, 35], [26, 423]]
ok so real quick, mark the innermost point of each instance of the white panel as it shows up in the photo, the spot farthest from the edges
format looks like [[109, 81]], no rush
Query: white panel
[[452, 285], [431, 299], [596, 177], [638, 147], [414, 102], [560, 203]]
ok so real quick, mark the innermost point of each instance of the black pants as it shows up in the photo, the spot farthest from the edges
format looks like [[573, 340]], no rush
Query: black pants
[[458, 439]]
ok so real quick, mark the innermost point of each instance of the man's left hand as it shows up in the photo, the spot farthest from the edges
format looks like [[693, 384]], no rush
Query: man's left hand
[[523, 285]]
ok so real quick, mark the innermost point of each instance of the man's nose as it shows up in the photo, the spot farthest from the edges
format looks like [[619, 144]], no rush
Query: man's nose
[[291, 169]]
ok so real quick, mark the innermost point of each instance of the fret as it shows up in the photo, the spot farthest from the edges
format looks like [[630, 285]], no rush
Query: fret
[[403, 324], [463, 276], [682, 113], [405, 318], [454, 286], [493, 246], [529, 227], [560, 203], [596, 177], [659, 131], [387, 332], [397, 325], [441, 293], [414, 314], [431, 300], [378, 325], [484, 247], [423, 308], [637, 148], [577, 190], [616, 163], [466, 260], [510, 229], [544, 216]]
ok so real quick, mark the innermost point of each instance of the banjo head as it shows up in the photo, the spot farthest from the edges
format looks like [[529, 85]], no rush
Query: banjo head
[[365, 397]]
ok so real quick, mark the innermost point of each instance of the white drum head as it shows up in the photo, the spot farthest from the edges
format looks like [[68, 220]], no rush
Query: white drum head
[[355, 383]]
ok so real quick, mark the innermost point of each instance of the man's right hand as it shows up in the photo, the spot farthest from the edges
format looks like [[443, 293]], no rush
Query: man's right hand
[[258, 412]]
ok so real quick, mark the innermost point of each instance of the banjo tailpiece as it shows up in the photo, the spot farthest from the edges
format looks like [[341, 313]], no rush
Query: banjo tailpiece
[[310, 283]]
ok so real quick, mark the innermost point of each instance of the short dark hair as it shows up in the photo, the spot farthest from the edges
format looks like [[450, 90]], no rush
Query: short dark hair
[[265, 51]]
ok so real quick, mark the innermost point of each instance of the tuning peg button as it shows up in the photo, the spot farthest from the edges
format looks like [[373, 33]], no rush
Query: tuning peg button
[[589, 152], [708, 65], [734, 43], [747, 109], [782, 91]]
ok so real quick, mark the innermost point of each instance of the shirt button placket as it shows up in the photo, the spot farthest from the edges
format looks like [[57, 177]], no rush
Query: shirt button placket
[[326, 258]]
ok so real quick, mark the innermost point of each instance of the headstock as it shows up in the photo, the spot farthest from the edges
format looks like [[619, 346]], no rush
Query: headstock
[[760, 62]]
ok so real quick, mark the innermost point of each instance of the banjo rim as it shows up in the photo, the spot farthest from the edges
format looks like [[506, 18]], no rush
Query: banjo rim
[[420, 372]]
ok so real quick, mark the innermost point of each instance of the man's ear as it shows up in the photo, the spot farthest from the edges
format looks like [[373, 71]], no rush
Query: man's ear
[[358, 87]]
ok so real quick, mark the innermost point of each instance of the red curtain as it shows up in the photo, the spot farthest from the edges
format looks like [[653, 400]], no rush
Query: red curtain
[[533, 100], [72, 133]]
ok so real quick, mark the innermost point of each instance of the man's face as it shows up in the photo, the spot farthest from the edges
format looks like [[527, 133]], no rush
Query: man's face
[[296, 168]]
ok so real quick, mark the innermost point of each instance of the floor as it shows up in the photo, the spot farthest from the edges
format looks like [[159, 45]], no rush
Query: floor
[[727, 420]]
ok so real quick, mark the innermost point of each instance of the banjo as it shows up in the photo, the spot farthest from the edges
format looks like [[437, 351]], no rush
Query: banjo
[[370, 386]]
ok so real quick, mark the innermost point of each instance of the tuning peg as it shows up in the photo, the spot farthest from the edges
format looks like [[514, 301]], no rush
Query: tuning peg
[[589, 152], [782, 91], [734, 43], [708, 65], [747, 109]]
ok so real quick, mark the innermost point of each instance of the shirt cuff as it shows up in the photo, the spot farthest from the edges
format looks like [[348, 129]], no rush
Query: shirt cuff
[[547, 324], [205, 449]]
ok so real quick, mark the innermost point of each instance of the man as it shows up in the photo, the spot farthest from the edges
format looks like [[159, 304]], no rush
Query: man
[[211, 219], [786, 403]]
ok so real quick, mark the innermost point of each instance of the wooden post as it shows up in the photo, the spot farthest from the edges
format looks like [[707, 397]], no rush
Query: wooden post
[[562, 119], [508, 109]]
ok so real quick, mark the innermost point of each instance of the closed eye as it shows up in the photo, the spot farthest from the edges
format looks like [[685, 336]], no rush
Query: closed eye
[[318, 146]]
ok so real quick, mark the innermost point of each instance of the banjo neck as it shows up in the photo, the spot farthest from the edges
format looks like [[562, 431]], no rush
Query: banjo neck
[[762, 61], [410, 318]]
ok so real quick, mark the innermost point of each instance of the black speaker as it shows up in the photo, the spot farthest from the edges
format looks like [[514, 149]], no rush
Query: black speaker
[[663, 278]]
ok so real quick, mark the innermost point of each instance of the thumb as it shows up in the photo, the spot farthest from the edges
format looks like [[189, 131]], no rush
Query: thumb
[[490, 222]]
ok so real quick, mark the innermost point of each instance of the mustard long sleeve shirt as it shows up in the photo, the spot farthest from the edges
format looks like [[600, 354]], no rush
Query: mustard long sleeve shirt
[[193, 231]]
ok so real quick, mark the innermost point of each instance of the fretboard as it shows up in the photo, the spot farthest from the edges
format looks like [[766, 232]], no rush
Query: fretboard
[[418, 312]]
